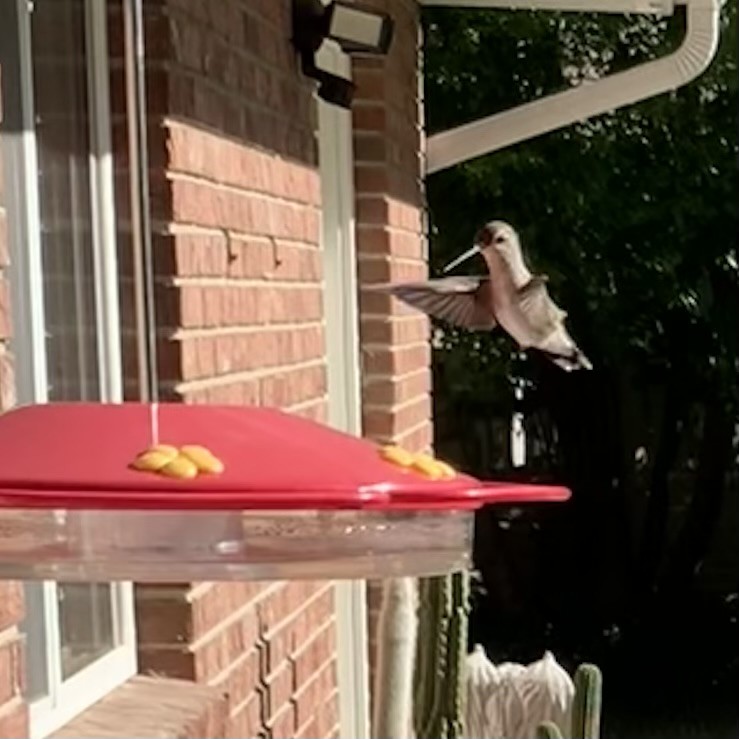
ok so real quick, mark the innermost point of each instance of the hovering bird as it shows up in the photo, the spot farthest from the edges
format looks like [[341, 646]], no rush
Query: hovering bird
[[510, 296]]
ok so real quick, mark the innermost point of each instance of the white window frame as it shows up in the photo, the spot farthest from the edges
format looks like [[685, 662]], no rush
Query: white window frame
[[66, 698], [341, 310]]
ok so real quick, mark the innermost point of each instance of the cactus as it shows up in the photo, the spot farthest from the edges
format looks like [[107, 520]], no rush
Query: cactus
[[548, 730], [586, 707], [440, 657]]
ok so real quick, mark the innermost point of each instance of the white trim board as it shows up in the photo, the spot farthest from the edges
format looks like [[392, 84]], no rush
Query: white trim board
[[344, 388]]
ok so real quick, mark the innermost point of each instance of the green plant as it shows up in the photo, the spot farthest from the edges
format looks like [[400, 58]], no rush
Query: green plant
[[548, 730], [443, 613], [586, 707]]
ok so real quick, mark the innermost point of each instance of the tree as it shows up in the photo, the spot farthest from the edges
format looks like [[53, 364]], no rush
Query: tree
[[634, 216]]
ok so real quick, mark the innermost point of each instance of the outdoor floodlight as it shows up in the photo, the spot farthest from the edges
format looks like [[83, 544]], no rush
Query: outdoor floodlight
[[357, 29]]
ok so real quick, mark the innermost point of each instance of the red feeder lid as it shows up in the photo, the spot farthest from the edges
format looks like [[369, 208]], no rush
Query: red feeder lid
[[77, 456]]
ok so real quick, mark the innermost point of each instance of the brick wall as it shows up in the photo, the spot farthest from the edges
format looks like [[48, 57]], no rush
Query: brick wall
[[236, 208], [13, 711], [390, 238], [391, 246], [235, 197]]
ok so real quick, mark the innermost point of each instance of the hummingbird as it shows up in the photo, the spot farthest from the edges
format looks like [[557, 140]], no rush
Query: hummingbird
[[509, 297]]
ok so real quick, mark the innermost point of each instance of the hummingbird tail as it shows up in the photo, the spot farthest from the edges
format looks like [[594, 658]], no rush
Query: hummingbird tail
[[575, 361], [583, 361]]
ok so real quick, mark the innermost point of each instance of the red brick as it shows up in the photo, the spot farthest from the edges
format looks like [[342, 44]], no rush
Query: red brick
[[391, 270], [370, 147], [278, 689], [277, 260], [11, 600], [411, 329], [393, 390], [12, 672], [399, 244], [5, 322], [247, 305], [169, 359], [203, 204], [240, 682], [243, 392], [7, 385], [368, 117], [198, 358], [371, 178], [14, 720], [179, 307], [376, 304], [167, 661], [378, 423], [164, 619], [293, 386], [214, 655], [187, 43], [288, 636], [282, 726], [196, 255], [403, 215], [320, 686], [417, 440], [246, 720], [317, 412], [372, 210], [210, 605], [396, 360], [314, 654], [309, 730], [283, 601], [371, 83], [328, 716]]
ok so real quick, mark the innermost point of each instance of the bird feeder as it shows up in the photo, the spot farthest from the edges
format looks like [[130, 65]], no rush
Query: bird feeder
[[272, 496]]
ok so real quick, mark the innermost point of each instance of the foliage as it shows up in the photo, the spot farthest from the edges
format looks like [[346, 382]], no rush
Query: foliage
[[586, 707], [633, 215], [639, 203]]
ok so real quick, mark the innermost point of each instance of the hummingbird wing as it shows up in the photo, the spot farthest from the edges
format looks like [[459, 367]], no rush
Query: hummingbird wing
[[460, 301], [546, 321], [541, 313]]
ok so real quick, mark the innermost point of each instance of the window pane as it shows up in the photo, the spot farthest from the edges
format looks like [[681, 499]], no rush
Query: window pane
[[85, 625], [62, 141], [63, 148], [36, 642]]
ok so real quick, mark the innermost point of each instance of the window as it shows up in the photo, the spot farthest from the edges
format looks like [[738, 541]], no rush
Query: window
[[64, 281]]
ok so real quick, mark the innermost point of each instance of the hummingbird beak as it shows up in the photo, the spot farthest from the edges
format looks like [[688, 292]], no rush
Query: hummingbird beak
[[462, 258]]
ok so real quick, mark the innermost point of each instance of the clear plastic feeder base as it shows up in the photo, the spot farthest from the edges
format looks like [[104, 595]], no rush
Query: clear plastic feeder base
[[172, 546]]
